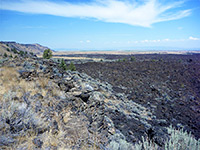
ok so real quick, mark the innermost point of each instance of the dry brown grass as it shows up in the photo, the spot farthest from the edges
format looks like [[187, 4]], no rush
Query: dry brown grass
[[8, 79], [72, 128], [43, 82]]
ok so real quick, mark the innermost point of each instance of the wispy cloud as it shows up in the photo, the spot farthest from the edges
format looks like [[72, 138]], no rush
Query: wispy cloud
[[193, 38], [143, 13], [163, 40], [87, 41]]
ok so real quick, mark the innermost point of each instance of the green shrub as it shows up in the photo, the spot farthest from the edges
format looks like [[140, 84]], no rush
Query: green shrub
[[21, 53], [72, 67], [133, 58], [47, 54], [181, 140], [5, 55], [14, 50], [124, 59], [63, 65], [119, 60], [8, 49]]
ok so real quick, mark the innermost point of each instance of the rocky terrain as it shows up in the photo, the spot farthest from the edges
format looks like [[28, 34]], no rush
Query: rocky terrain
[[168, 85], [73, 110], [45, 107]]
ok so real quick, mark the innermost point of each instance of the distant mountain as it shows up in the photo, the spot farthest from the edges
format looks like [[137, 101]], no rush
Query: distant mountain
[[31, 48]]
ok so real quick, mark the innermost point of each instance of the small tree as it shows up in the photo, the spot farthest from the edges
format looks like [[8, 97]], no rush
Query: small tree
[[124, 59], [63, 65], [132, 58], [72, 67], [47, 54], [5, 55], [21, 53], [14, 50]]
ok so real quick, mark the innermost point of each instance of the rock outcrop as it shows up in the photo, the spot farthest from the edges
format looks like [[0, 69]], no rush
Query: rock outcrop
[[44, 107]]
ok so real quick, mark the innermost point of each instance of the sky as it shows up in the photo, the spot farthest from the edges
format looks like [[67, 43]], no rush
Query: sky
[[102, 24]]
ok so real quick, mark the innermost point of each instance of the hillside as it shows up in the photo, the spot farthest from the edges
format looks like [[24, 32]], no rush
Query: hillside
[[30, 48], [45, 107]]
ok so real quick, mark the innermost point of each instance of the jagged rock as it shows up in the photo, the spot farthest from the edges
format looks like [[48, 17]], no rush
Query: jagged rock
[[28, 66], [6, 141], [38, 143], [3, 60], [71, 102], [84, 96]]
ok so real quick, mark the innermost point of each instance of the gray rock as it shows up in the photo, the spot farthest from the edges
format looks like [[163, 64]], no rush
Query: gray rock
[[96, 96], [28, 66], [6, 140], [85, 97], [3, 60], [38, 143]]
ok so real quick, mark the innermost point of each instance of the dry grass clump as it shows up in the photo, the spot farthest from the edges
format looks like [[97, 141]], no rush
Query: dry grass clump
[[8, 79], [23, 124], [72, 134], [43, 82], [20, 123]]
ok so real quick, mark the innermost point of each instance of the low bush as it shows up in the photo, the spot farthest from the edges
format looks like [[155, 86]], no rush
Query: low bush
[[72, 67], [47, 54], [179, 140], [5, 55], [133, 58], [63, 65], [14, 50]]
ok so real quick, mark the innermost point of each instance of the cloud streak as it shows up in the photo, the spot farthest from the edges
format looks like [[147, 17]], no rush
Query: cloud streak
[[193, 38], [132, 12]]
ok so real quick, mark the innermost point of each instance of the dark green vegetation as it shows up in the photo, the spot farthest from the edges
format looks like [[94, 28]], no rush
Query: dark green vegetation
[[63, 65], [72, 66], [47, 54], [5, 55], [14, 50]]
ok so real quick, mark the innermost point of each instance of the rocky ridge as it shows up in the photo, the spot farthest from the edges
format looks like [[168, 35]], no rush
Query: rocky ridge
[[43, 106], [30, 48]]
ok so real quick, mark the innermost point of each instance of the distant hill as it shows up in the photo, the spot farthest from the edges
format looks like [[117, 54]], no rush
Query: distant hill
[[31, 48]]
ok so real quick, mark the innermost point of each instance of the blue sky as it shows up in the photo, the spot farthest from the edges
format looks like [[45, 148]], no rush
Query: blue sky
[[102, 24]]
